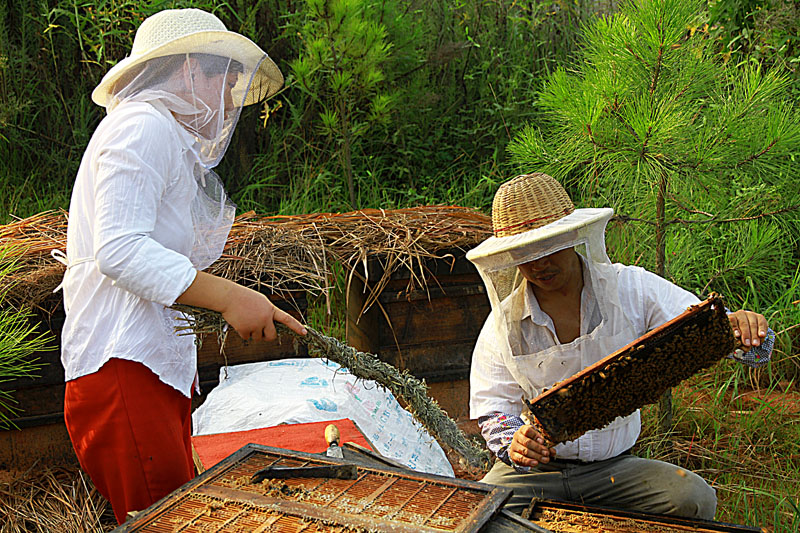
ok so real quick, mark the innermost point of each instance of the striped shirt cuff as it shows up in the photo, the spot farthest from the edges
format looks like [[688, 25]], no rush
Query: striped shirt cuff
[[758, 355]]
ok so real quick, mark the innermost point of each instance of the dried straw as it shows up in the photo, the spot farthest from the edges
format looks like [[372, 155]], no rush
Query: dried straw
[[27, 243], [279, 253], [47, 499]]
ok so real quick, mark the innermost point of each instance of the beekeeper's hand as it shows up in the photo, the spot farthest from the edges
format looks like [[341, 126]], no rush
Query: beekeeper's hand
[[252, 315], [527, 448], [249, 312], [749, 327]]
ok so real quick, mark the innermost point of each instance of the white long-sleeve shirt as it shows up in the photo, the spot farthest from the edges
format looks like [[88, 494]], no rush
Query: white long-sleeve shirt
[[129, 239], [495, 397]]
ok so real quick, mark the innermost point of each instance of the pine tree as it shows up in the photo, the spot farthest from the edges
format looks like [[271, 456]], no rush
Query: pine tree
[[695, 154], [19, 341], [341, 72]]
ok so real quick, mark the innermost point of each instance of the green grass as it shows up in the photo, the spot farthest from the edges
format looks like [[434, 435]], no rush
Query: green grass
[[745, 443]]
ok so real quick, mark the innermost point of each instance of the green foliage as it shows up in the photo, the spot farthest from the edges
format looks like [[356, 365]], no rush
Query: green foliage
[[429, 95], [652, 124], [762, 31], [341, 73], [695, 154], [18, 341]]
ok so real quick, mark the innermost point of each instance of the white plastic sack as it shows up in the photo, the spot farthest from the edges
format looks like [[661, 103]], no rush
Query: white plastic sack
[[295, 391]]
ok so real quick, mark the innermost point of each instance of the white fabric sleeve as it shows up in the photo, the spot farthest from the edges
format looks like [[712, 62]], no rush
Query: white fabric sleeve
[[492, 387], [133, 170], [652, 299]]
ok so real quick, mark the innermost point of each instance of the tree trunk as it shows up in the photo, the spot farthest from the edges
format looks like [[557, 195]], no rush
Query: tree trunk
[[665, 402]]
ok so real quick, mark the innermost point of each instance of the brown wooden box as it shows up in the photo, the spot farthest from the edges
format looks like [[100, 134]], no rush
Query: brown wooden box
[[569, 516], [429, 332], [381, 498]]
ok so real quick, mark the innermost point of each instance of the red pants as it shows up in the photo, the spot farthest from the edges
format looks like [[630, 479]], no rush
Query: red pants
[[131, 433]]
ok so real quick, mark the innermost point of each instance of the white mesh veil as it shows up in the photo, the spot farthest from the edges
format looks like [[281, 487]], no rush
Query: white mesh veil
[[497, 259], [204, 93]]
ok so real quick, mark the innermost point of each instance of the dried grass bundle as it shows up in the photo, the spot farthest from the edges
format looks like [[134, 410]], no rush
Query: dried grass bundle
[[47, 499], [279, 253], [396, 239], [276, 259], [27, 243]]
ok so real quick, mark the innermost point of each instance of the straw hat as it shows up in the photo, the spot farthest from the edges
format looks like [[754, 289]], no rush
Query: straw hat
[[528, 202], [532, 214], [181, 31]]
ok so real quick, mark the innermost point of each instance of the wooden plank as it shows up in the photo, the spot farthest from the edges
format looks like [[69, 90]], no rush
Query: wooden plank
[[48, 444], [39, 405], [362, 329], [452, 396], [441, 318], [440, 361], [451, 262]]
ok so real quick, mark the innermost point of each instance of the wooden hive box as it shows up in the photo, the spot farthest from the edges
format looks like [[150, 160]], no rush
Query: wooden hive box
[[40, 433], [381, 498], [563, 517], [430, 331]]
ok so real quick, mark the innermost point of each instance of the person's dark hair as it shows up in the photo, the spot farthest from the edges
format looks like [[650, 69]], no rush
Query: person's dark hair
[[165, 66], [213, 65]]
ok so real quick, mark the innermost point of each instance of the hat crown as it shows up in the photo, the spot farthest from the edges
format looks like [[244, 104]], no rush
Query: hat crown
[[528, 202], [171, 24]]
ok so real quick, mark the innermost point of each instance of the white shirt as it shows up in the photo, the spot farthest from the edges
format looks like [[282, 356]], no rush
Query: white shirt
[[647, 301], [128, 241]]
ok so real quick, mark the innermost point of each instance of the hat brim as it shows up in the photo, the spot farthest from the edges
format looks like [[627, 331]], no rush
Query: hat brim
[[223, 43], [491, 248]]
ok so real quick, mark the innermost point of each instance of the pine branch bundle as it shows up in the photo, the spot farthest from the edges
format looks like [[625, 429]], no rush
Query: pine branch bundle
[[407, 388]]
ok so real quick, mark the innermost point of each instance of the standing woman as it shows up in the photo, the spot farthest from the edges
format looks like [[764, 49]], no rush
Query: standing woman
[[147, 215]]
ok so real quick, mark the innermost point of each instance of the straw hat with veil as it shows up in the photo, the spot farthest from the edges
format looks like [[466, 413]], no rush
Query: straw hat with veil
[[186, 64], [532, 217]]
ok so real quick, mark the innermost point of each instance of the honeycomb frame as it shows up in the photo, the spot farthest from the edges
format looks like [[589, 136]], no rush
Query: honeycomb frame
[[637, 374]]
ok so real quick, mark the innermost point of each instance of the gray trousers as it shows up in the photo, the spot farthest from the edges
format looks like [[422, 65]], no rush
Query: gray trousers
[[624, 482]]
